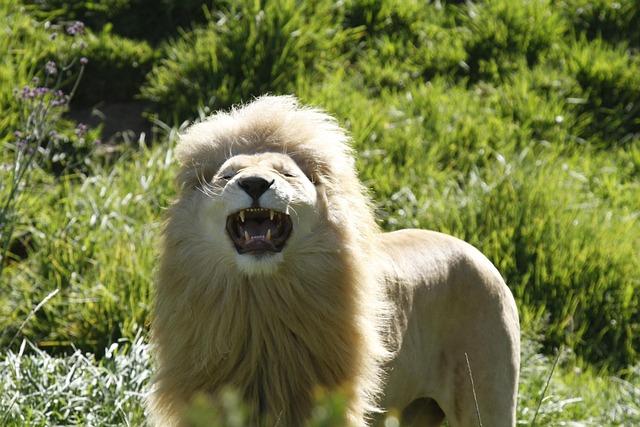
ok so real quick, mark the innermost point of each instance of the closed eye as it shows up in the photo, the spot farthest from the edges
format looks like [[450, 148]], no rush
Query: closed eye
[[227, 176]]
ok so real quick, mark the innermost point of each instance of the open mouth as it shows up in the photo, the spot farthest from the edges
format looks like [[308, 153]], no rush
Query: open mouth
[[258, 230]]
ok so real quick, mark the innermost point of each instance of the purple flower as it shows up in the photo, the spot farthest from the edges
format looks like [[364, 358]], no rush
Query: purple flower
[[27, 93], [76, 28], [21, 144], [97, 142], [81, 130], [84, 61], [41, 91], [59, 98], [50, 68]]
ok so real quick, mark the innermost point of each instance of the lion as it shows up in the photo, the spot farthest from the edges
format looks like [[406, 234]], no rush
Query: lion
[[275, 280]]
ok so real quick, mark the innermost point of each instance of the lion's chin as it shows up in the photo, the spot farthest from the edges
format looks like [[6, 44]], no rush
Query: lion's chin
[[266, 264]]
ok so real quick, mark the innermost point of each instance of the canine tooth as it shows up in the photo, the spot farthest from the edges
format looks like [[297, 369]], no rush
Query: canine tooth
[[242, 216], [246, 236], [271, 215], [269, 234]]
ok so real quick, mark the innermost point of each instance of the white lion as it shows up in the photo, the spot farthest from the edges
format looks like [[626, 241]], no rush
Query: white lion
[[276, 281]]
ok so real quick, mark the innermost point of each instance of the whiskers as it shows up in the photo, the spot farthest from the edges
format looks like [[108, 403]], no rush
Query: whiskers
[[207, 188]]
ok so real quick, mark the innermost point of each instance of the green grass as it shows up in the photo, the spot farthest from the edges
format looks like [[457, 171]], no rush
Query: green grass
[[511, 124]]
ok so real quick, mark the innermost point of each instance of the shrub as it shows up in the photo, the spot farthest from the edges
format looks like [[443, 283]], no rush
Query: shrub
[[384, 16], [250, 49], [610, 84], [404, 41], [116, 69], [612, 20], [151, 20], [504, 33]]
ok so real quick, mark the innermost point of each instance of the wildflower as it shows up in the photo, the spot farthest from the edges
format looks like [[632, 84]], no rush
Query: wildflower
[[75, 29], [21, 145], [81, 130], [27, 93], [59, 98], [50, 68], [41, 91], [84, 61], [97, 142]]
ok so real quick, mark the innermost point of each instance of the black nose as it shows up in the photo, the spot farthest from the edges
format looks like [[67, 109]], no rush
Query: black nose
[[254, 186]]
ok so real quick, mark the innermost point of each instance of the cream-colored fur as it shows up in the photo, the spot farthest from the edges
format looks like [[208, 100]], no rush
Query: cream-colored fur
[[339, 304]]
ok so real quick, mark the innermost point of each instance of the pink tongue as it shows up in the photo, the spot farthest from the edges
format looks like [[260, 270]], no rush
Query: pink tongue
[[255, 228]]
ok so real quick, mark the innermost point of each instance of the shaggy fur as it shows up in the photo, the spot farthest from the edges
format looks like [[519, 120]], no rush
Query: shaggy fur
[[341, 302], [276, 335]]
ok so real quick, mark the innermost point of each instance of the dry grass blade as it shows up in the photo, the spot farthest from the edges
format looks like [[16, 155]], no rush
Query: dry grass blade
[[32, 312], [473, 389], [546, 386]]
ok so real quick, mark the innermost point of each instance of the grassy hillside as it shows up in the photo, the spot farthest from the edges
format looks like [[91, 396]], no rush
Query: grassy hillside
[[514, 125]]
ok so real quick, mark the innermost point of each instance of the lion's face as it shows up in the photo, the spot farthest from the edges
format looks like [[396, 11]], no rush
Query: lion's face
[[259, 206]]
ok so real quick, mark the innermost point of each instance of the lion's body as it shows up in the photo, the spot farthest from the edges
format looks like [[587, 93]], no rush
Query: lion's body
[[449, 301], [277, 326]]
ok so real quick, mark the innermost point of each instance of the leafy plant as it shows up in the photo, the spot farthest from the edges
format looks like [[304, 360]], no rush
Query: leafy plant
[[506, 34], [248, 49]]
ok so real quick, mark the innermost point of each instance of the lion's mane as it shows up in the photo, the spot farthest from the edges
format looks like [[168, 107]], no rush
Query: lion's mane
[[276, 339]]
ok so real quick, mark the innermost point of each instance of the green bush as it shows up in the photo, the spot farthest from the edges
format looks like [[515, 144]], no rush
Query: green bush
[[612, 20], [506, 33], [151, 20], [250, 49], [116, 69], [610, 82], [384, 16], [404, 41]]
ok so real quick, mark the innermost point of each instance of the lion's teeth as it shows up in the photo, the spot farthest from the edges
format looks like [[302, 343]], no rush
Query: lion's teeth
[[270, 215], [242, 216], [246, 236], [269, 234]]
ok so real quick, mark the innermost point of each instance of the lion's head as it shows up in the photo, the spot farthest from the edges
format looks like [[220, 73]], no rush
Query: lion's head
[[265, 180], [265, 281]]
